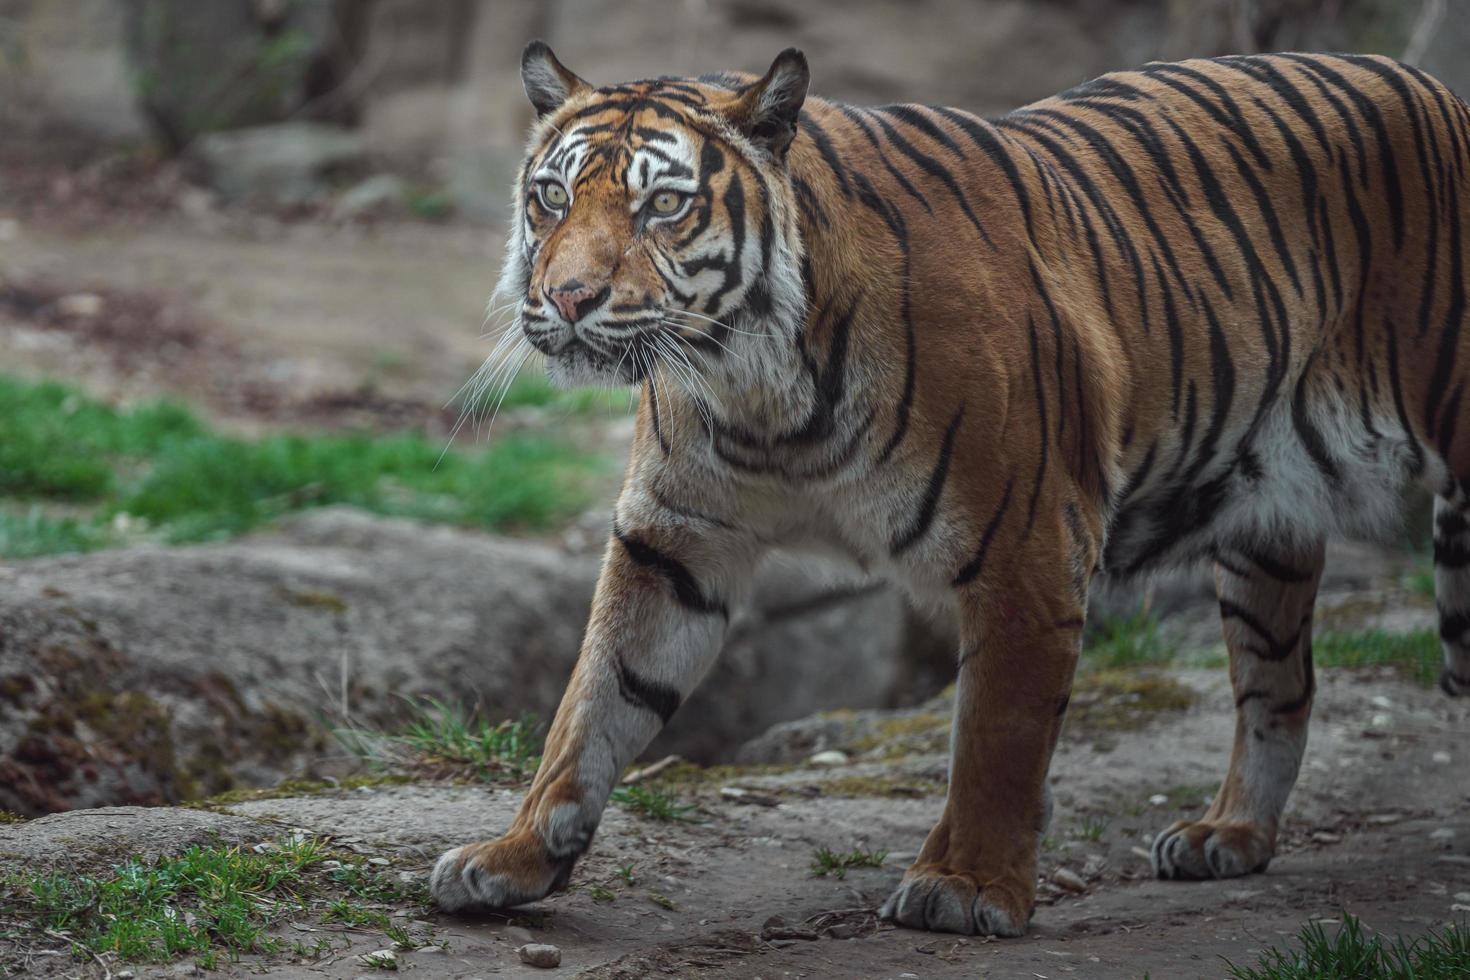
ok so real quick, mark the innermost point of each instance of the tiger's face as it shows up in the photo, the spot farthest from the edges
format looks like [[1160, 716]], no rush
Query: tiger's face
[[652, 218]]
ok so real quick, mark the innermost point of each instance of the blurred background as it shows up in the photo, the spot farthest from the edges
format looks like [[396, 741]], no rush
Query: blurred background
[[245, 251]]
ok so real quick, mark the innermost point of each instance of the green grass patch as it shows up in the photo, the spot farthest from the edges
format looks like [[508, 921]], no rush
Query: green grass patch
[[205, 903], [445, 739], [1417, 655], [1351, 953], [189, 904], [654, 803], [180, 481], [1128, 641], [531, 390], [826, 861]]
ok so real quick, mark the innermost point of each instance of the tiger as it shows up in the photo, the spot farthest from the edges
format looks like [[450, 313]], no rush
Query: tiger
[[1204, 311]]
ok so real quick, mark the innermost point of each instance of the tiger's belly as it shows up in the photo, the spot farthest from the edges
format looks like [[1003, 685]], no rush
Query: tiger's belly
[[1304, 474]]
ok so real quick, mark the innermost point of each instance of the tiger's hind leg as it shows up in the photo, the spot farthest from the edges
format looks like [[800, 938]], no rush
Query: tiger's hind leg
[[1266, 603], [1452, 591]]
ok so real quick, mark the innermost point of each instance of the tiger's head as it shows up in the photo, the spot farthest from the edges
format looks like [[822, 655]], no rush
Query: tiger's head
[[654, 220]]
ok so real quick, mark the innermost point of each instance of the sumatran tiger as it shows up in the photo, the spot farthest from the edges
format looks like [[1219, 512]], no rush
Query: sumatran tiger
[[1205, 310]]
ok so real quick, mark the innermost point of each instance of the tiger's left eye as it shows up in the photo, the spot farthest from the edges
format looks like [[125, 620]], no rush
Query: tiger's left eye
[[553, 195], [667, 202]]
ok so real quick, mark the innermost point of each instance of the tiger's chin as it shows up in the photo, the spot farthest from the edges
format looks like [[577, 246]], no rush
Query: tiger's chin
[[578, 366]]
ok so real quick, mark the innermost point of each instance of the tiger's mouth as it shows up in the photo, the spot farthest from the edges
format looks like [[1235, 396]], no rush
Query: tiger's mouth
[[582, 361]]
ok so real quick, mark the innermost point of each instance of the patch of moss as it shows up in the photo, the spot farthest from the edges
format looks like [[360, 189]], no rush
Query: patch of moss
[[886, 784], [925, 732], [315, 599], [692, 775], [298, 787], [1124, 700], [8, 816]]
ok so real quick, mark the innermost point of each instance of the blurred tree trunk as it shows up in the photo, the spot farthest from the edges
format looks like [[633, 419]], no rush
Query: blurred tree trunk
[[223, 64]]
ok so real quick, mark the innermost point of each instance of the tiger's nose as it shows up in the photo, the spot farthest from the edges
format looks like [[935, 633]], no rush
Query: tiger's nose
[[574, 299]]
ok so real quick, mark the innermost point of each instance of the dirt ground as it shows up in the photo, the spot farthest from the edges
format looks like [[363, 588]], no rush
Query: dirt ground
[[1379, 827], [264, 320]]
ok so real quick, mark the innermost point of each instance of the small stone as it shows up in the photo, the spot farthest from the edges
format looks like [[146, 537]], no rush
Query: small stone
[[737, 795], [1443, 758], [844, 930], [1443, 833], [1384, 819], [1093, 867], [1462, 896], [379, 862], [80, 305], [1326, 837], [1158, 799], [123, 975], [1068, 879], [831, 757], [541, 955], [1381, 720], [1379, 701]]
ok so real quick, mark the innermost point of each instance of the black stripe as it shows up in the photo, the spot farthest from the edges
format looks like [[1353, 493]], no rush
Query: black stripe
[[937, 170], [929, 504], [1275, 649], [1042, 427], [686, 590], [640, 692], [976, 564]]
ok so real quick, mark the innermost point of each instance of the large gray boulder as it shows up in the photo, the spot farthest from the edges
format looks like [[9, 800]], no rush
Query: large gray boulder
[[155, 674]]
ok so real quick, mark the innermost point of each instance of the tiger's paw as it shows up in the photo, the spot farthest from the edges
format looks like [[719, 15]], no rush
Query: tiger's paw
[[498, 874], [1453, 684], [941, 900], [1211, 849]]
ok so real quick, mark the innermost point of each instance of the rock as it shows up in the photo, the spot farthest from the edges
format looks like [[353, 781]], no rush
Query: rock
[[152, 674], [84, 305], [1158, 799], [737, 795], [1441, 758], [1068, 880], [374, 196], [1325, 837], [541, 955], [285, 163], [831, 757], [276, 57], [1443, 834]]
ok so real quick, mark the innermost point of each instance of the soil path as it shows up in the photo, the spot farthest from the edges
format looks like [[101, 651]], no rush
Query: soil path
[[1379, 826]]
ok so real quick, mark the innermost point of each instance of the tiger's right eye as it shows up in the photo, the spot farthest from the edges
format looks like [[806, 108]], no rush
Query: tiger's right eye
[[553, 195]]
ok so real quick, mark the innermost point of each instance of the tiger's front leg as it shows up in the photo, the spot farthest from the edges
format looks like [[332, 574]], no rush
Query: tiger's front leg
[[1021, 627], [658, 617]]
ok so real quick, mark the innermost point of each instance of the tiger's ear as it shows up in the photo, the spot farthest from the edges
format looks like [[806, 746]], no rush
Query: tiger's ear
[[548, 82], [767, 111]]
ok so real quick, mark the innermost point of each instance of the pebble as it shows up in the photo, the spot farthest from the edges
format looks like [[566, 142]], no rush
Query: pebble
[[541, 955], [1068, 879], [1379, 701], [80, 305], [1326, 837], [831, 757], [1381, 720], [1443, 758], [1158, 799], [1462, 896], [1443, 833], [383, 959], [379, 862]]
